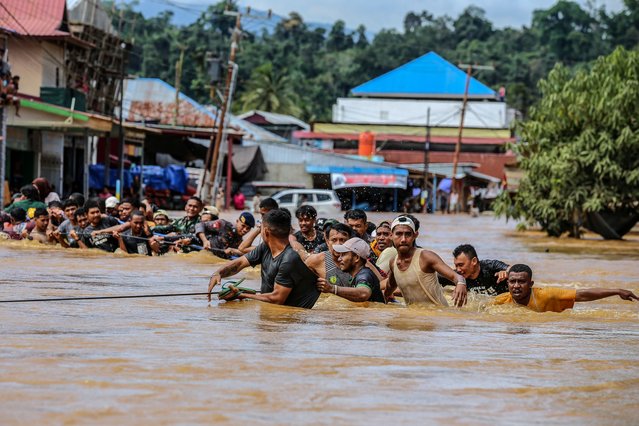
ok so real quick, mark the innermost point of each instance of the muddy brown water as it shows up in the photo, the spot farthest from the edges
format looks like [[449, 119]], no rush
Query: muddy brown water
[[183, 361]]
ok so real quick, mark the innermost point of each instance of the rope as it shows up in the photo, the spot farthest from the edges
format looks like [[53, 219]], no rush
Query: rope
[[129, 296]]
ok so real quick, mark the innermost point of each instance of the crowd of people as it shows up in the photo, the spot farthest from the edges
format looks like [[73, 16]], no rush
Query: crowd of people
[[354, 259]]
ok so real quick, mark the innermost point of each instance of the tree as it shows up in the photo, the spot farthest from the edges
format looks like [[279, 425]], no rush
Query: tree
[[473, 25], [580, 146], [269, 91]]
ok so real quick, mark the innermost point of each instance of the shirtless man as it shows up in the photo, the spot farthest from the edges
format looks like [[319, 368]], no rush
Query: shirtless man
[[414, 270]]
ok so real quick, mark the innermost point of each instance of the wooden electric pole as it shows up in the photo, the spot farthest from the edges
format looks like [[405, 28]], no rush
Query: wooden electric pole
[[469, 71], [178, 79], [225, 104]]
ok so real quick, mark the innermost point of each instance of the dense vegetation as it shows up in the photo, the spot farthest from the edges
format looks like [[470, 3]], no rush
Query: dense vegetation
[[301, 70], [580, 147]]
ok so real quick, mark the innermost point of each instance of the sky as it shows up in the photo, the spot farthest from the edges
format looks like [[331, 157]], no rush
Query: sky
[[378, 14]]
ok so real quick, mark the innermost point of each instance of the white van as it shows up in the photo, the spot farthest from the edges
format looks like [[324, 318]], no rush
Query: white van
[[325, 201]]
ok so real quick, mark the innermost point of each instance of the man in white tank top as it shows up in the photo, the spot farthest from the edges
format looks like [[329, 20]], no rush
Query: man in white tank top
[[414, 270]]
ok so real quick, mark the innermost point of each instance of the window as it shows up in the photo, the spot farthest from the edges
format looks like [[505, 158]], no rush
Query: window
[[285, 199], [323, 197]]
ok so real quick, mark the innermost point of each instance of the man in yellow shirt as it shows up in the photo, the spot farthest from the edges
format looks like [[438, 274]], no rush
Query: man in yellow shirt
[[550, 299]]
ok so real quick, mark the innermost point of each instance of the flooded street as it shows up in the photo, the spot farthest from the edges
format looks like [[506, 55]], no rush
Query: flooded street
[[181, 360]]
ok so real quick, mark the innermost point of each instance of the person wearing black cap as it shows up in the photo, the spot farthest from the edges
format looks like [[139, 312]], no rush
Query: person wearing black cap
[[221, 237]]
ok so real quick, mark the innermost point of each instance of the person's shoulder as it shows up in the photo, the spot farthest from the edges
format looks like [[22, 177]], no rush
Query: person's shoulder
[[493, 264], [366, 274], [502, 298]]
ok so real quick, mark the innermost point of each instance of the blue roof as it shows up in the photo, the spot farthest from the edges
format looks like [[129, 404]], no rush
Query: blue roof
[[429, 75]]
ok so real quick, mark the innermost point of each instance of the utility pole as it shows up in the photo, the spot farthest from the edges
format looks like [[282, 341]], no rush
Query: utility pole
[[469, 70], [122, 47], [178, 78], [225, 105], [426, 152]]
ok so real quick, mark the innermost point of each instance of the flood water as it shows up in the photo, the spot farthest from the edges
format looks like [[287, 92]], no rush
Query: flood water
[[183, 361]]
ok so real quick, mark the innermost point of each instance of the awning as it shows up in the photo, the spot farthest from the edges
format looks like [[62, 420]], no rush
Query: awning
[[354, 177]]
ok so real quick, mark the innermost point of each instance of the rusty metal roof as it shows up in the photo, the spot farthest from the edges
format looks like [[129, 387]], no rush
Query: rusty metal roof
[[37, 18]]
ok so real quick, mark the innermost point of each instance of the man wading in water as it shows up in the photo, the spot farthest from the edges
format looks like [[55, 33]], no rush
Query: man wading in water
[[550, 299], [285, 278], [414, 270], [364, 284]]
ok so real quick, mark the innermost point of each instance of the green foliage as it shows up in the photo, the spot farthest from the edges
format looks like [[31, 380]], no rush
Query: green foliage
[[269, 91], [319, 66], [580, 146]]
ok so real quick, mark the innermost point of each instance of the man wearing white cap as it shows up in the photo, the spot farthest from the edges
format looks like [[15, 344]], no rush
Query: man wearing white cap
[[414, 270], [364, 284]]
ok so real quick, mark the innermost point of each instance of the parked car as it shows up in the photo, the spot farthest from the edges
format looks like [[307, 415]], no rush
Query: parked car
[[325, 201]]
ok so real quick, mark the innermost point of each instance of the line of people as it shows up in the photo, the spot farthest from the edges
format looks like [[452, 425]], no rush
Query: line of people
[[354, 259]]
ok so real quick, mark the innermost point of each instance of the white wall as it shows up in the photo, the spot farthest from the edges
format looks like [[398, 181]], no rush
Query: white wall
[[479, 114]]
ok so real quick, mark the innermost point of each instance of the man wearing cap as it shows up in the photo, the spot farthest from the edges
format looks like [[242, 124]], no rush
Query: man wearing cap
[[253, 238], [161, 218], [364, 284], [414, 270], [325, 264], [111, 206], [222, 238]]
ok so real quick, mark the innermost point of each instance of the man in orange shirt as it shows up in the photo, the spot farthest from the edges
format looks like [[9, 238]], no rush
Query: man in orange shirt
[[550, 299]]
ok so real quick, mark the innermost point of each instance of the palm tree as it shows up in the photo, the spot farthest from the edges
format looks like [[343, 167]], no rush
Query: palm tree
[[270, 91]]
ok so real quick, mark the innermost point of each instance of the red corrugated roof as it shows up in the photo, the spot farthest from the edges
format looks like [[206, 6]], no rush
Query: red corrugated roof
[[39, 18], [303, 134]]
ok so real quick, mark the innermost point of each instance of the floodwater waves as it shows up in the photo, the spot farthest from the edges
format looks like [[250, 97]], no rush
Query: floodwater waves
[[182, 360]]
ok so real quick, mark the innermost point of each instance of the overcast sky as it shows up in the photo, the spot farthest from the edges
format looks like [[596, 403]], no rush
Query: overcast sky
[[378, 14]]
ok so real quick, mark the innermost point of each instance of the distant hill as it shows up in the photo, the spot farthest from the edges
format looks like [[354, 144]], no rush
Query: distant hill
[[187, 13]]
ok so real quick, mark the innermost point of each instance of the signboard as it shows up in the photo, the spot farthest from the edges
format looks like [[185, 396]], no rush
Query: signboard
[[354, 180]]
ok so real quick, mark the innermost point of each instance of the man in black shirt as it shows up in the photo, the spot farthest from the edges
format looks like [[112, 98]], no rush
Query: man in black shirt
[[92, 236], [482, 276], [364, 285], [308, 236], [285, 278], [137, 239]]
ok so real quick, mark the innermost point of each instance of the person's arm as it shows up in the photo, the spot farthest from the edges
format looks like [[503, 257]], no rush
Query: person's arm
[[354, 294], [431, 261], [228, 270], [298, 247], [501, 268], [117, 236], [391, 283], [278, 296], [590, 294], [247, 244]]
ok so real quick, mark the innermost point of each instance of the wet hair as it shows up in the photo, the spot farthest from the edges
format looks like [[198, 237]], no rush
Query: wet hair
[[134, 203], [342, 228], [269, 204], [40, 211], [306, 211], [54, 204], [79, 212], [520, 267], [467, 249], [30, 192], [196, 198], [137, 213], [327, 225], [278, 222], [69, 203], [19, 214], [356, 214], [370, 228], [91, 204], [79, 198]]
